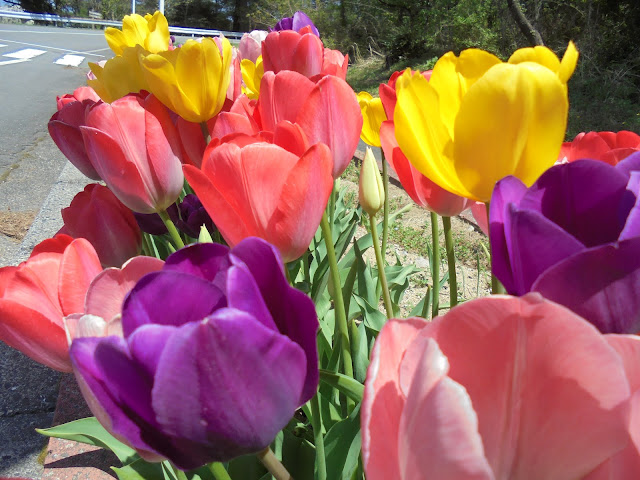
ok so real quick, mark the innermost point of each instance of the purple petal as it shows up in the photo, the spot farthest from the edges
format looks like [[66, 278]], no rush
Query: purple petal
[[243, 294], [629, 164], [209, 261], [237, 383], [583, 198], [509, 190], [285, 24], [116, 390], [534, 244], [169, 298], [601, 284], [147, 343], [632, 225], [300, 20], [293, 312]]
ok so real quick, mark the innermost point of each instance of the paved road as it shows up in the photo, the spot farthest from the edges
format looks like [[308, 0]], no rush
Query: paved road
[[30, 165]]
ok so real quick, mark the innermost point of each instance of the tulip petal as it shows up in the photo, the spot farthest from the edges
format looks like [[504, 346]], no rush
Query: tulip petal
[[511, 122], [282, 96], [196, 299], [243, 294], [307, 58], [632, 225], [80, 265], [291, 309], [450, 447], [552, 401], [600, 284], [331, 115], [383, 400], [208, 261], [204, 368]]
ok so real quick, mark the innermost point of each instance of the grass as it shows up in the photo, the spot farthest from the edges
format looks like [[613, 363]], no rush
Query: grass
[[367, 74]]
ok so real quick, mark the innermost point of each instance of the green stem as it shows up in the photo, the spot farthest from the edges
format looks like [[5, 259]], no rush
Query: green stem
[[496, 286], [272, 464], [451, 262], [205, 132], [173, 232], [381, 275], [341, 331], [180, 475], [435, 265], [316, 422], [218, 471]]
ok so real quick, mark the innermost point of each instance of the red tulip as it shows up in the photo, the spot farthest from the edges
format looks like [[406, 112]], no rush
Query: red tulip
[[134, 146], [301, 52], [79, 94], [262, 190], [608, 147], [421, 190], [498, 388], [38, 293], [64, 128], [97, 215]]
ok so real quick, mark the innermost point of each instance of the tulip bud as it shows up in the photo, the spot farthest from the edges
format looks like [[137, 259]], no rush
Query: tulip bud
[[371, 187], [205, 236]]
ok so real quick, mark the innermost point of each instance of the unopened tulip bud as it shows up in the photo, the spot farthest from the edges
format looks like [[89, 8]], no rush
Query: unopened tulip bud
[[205, 236], [371, 187]]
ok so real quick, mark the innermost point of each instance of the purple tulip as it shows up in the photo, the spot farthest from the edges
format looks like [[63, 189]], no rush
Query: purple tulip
[[573, 236], [298, 21], [218, 353], [188, 217]]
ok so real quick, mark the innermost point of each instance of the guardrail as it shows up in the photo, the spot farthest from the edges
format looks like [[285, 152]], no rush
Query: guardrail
[[57, 19]]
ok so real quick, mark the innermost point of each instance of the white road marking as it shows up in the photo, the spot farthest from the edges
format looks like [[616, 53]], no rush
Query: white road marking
[[68, 59], [1, 45], [9, 62], [51, 48], [26, 53]]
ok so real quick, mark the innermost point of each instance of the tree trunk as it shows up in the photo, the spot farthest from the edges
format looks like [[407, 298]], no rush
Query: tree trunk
[[528, 30]]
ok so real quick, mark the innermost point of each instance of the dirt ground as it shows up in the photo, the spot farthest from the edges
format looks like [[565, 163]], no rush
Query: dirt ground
[[15, 224]]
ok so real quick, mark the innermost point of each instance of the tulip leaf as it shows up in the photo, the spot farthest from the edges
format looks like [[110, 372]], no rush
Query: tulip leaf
[[142, 470], [373, 318], [360, 351], [347, 385], [89, 431], [342, 447]]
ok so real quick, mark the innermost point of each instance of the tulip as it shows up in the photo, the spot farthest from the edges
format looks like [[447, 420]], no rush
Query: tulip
[[421, 189], [498, 388], [264, 190], [296, 22], [191, 80], [38, 293], [79, 94], [135, 148], [303, 53], [250, 47], [119, 76], [252, 76], [64, 128], [151, 32], [478, 120], [233, 312], [373, 115], [609, 147], [580, 250], [191, 216], [371, 189], [97, 215]]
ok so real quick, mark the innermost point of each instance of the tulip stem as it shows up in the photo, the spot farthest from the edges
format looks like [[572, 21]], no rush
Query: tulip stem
[[205, 133], [272, 464], [341, 329], [173, 232], [381, 275], [435, 265], [451, 262], [316, 422], [179, 474], [218, 471]]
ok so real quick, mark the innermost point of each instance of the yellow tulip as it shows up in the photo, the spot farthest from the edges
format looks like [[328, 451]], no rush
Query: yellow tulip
[[150, 32], [478, 119], [120, 76], [373, 116], [191, 80], [252, 76]]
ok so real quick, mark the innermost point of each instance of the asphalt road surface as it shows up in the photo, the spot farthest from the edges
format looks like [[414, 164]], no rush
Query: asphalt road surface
[[36, 64]]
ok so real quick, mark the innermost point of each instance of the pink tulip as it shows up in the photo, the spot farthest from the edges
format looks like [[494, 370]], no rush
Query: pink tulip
[[301, 52], [38, 293], [64, 128], [250, 46], [499, 388], [264, 190], [97, 215], [608, 147], [479, 212], [135, 148], [421, 190]]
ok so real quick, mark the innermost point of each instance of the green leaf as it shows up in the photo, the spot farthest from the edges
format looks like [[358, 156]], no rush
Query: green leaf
[[347, 385], [89, 431], [342, 447], [360, 351], [141, 470]]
